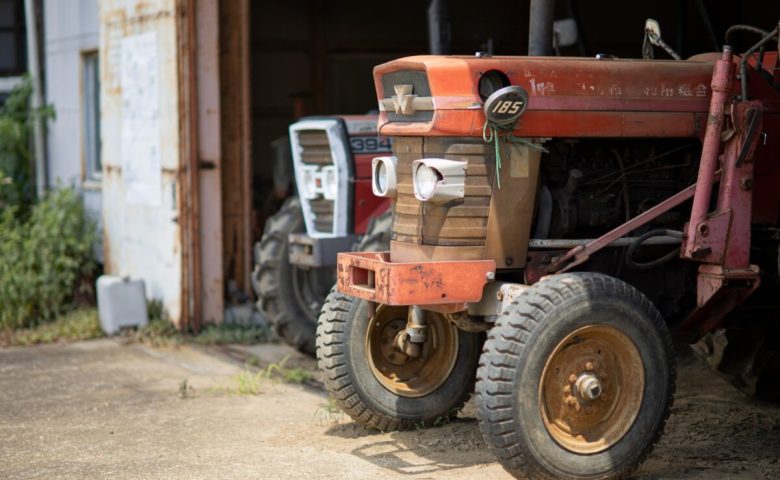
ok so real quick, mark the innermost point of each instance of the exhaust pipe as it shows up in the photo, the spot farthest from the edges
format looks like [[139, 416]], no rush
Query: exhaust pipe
[[540, 29], [439, 34]]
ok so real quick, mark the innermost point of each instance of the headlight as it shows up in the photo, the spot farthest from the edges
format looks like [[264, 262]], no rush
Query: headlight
[[438, 180], [383, 181], [311, 180], [425, 181], [330, 183]]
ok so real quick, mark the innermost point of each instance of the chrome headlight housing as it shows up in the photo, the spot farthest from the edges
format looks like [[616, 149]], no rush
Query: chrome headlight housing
[[438, 180], [384, 181]]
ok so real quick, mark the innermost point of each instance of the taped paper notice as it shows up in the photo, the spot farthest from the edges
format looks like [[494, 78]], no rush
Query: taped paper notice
[[141, 168]]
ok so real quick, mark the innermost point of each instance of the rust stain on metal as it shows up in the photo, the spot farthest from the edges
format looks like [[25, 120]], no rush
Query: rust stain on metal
[[143, 240], [371, 276]]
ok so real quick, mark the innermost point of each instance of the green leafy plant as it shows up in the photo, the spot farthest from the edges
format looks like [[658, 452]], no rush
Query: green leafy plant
[[16, 125], [46, 259]]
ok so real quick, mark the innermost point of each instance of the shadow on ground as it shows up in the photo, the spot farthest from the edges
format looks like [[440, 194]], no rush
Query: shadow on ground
[[714, 431], [415, 452]]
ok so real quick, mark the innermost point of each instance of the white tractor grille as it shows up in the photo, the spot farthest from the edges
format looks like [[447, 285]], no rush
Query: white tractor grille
[[321, 158], [315, 154]]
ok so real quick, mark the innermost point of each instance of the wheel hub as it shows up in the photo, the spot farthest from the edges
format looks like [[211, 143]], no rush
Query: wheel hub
[[404, 374], [588, 387], [591, 389]]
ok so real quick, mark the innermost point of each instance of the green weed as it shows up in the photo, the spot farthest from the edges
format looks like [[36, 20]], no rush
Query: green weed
[[329, 412], [46, 260], [250, 382], [77, 325], [185, 390]]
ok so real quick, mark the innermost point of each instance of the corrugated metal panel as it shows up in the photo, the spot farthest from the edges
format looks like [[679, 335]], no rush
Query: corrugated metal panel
[[141, 155]]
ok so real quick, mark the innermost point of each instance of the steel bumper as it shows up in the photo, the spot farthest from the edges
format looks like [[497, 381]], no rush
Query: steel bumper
[[372, 276], [306, 251]]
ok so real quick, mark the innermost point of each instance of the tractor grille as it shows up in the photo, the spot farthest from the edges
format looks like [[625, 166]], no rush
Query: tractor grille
[[462, 224], [315, 150]]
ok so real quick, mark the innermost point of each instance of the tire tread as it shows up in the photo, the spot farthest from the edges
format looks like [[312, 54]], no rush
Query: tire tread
[[494, 377]]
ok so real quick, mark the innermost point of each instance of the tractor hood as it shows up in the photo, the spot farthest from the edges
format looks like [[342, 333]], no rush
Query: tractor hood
[[567, 97]]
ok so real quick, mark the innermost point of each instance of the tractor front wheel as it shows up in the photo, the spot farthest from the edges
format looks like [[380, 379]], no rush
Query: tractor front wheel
[[576, 379], [382, 387]]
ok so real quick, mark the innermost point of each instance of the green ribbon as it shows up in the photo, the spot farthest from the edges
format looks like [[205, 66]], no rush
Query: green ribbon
[[491, 133]]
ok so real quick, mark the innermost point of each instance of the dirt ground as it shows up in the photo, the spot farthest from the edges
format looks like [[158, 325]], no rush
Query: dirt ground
[[101, 409]]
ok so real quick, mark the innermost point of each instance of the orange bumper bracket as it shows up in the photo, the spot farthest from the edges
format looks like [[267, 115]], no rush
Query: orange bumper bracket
[[372, 276]]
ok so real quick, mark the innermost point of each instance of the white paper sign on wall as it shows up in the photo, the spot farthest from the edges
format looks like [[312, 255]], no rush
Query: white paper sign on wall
[[141, 163]]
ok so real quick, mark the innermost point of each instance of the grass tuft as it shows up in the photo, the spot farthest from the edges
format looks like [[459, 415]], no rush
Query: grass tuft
[[329, 412], [250, 382], [81, 324]]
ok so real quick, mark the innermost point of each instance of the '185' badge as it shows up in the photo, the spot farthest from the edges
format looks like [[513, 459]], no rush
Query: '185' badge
[[506, 105]]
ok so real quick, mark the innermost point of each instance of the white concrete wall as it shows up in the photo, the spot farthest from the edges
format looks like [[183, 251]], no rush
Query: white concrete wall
[[70, 28], [142, 237]]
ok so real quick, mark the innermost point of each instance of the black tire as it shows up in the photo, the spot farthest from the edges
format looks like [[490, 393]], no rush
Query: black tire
[[378, 233], [342, 356], [289, 296], [515, 356], [747, 357]]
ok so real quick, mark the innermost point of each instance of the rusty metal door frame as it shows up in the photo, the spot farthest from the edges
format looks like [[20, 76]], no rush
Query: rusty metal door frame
[[189, 187], [215, 212]]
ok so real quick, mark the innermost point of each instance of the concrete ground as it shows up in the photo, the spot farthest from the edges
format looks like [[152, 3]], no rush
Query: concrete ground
[[101, 409]]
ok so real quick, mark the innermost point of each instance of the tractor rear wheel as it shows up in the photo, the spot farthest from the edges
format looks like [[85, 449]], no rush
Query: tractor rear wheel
[[378, 385], [288, 295], [576, 380], [377, 237]]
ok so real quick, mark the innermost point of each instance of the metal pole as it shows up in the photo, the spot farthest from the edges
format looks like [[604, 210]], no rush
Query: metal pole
[[540, 30], [438, 28], [721, 89], [36, 101]]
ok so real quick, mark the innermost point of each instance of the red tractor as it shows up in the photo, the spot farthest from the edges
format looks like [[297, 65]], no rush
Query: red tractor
[[556, 222], [334, 207]]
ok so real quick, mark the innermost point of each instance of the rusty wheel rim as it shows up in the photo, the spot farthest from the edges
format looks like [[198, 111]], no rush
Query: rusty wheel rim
[[403, 375], [591, 389]]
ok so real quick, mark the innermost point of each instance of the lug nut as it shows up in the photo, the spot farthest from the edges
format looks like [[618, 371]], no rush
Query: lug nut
[[572, 378], [589, 366]]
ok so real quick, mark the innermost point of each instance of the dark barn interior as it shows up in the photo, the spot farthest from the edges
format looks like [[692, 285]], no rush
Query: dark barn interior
[[316, 57]]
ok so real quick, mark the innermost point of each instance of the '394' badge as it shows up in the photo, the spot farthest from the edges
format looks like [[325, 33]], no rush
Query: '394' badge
[[504, 106]]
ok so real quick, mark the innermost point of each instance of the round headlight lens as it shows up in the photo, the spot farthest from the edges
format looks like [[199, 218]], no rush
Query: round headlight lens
[[380, 177], [425, 181]]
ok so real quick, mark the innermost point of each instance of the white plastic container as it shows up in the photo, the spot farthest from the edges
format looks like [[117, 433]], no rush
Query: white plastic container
[[121, 303]]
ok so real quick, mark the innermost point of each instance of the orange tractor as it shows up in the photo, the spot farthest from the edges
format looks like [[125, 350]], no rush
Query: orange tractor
[[556, 221]]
